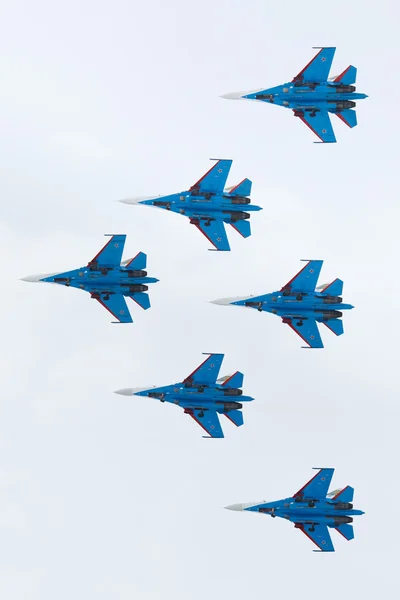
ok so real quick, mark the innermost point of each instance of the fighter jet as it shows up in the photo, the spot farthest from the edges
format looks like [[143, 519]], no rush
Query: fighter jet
[[208, 205], [108, 280], [313, 510], [300, 305], [312, 95], [202, 395]]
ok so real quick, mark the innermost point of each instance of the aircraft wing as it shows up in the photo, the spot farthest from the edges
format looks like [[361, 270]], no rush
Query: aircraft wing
[[318, 534], [308, 331], [110, 255], [306, 279], [320, 124], [209, 421], [318, 68], [116, 305], [318, 486], [208, 371], [214, 180], [215, 233]]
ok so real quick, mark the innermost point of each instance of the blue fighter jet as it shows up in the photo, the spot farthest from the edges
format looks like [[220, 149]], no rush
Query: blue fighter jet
[[312, 510], [312, 95], [300, 305], [108, 280], [203, 396], [209, 205]]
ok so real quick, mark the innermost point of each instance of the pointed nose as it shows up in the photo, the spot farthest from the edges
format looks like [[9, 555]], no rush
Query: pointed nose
[[235, 507], [136, 199], [132, 391], [227, 301], [233, 95], [125, 392], [37, 278]]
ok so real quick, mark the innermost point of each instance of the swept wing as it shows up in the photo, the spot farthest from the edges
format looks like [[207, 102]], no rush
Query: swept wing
[[214, 180], [110, 255], [318, 534], [318, 68], [208, 420], [320, 124], [306, 279], [318, 486], [116, 305], [208, 371], [215, 233], [308, 331]]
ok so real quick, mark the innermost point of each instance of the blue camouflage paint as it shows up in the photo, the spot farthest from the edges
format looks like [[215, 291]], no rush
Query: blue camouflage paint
[[312, 95], [108, 281], [301, 305], [203, 396], [209, 206], [313, 510]]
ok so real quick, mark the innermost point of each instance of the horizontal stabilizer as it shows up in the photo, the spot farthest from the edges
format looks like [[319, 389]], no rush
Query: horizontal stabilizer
[[234, 381], [142, 299], [335, 288], [344, 495], [348, 116], [241, 189], [335, 325], [348, 76], [236, 416], [138, 262], [242, 227], [346, 530]]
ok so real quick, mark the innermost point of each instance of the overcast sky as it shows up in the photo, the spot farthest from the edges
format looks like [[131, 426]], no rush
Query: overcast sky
[[110, 497]]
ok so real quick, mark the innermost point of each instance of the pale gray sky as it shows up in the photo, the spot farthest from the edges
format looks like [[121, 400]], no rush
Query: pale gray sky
[[109, 497]]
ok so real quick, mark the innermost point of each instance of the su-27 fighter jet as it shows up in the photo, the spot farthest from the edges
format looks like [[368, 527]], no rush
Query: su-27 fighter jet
[[203, 396], [108, 280], [312, 95], [313, 510], [301, 305], [209, 205]]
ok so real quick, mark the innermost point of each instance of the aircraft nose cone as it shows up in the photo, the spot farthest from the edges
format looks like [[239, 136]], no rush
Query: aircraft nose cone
[[37, 278], [221, 301], [125, 392], [227, 301], [233, 95], [234, 507], [132, 391]]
